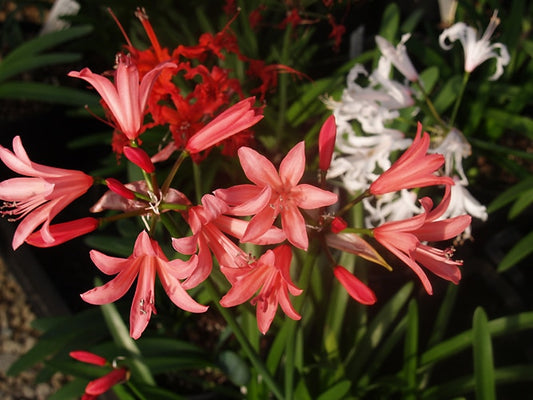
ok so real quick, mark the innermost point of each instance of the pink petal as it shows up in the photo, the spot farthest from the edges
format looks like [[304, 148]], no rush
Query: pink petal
[[176, 293], [260, 223], [258, 168], [310, 197], [142, 305], [292, 167], [107, 264], [112, 290], [293, 224]]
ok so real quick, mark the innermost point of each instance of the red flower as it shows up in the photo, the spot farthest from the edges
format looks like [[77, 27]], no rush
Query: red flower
[[40, 196], [146, 261], [125, 98], [271, 277], [403, 239], [101, 385], [415, 168], [355, 288]]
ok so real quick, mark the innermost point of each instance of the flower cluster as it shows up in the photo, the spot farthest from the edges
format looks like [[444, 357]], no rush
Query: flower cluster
[[281, 211]]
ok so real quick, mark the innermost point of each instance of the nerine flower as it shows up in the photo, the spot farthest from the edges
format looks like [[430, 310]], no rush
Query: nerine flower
[[477, 50], [274, 194], [147, 261], [100, 385], [38, 197], [405, 239], [414, 168], [270, 276], [209, 228], [398, 56], [125, 98]]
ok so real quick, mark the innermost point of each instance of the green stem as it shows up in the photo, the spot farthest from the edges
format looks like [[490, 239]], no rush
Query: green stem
[[430, 105], [172, 173], [352, 203], [459, 98], [243, 340], [283, 82], [303, 283]]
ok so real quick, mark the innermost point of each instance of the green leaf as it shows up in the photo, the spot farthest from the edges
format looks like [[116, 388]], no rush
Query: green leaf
[[510, 194], [462, 341], [483, 361], [118, 246], [66, 331], [509, 120], [448, 93], [390, 22], [45, 42], [234, 367], [429, 77], [155, 392], [46, 93], [376, 332], [336, 392], [71, 390], [518, 252], [18, 66], [459, 386], [161, 365], [523, 201], [410, 354]]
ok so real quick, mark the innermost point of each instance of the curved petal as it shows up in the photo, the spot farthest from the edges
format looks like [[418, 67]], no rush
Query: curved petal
[[112, 290], [142, 305], [310, 197], [355, 288], [176, 293], [260, 223], [293, 224], [258, 168], [292, 167]]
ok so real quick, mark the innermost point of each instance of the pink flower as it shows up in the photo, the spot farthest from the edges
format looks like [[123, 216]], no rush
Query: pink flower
[[275, 194], [40, 196], [403, 239], [234, 120], [209, 227], [64, 232], [355, 288], [146, 261], [270, 276], [415, 168], [125, 97], [326, 143], [103, 384]]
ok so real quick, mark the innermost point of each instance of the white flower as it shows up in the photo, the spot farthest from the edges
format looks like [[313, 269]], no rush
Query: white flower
[[462, 202], [477, 51], [398, 56], [454, 147], [394, 206]]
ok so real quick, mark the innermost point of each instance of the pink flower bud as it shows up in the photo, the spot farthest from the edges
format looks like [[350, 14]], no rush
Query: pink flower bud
[[338, 225], [326, 143], [139, 157], [118, 187], [234, 120], [355, 288]]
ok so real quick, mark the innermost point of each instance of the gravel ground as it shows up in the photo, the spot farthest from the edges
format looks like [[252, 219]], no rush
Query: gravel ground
[[16, 337]]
